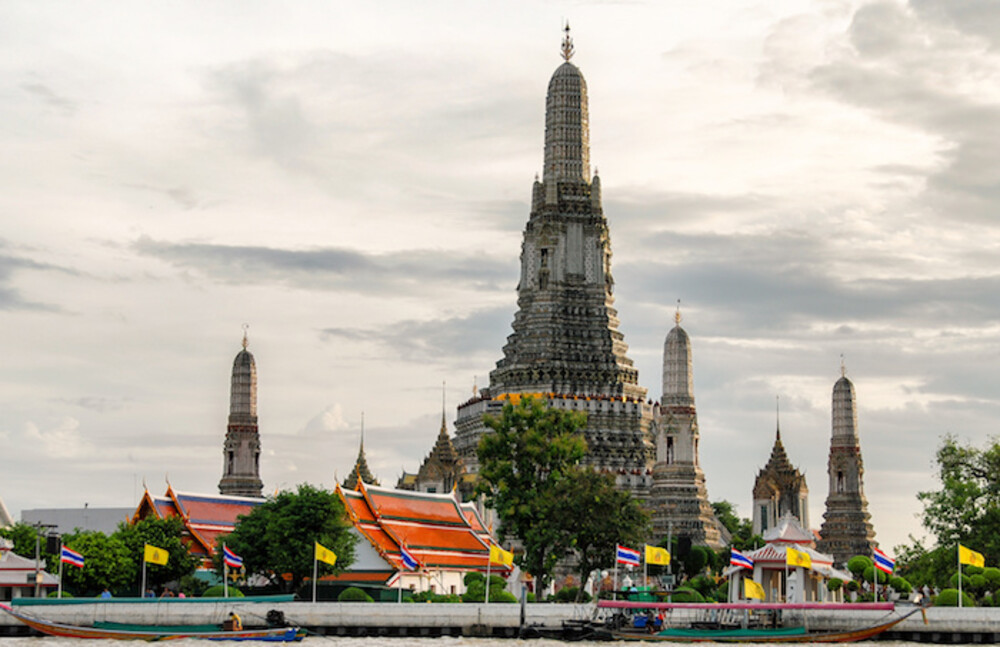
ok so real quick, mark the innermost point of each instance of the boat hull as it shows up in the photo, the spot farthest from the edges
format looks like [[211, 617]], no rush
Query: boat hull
[[279, 634]]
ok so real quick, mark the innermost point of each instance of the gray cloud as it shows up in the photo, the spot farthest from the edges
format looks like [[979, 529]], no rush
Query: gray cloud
[[460, 340], [50, 97], [11, 298], [401, 273]]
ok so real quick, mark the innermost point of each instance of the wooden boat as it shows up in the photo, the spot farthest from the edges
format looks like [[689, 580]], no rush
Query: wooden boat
[[116, 631], [752, 635]]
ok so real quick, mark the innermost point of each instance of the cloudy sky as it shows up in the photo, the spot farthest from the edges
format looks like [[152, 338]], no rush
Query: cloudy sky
[[810, 178]]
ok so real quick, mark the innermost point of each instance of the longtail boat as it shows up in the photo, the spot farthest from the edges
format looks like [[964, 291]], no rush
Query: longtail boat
[[115, 631], [749, 634]]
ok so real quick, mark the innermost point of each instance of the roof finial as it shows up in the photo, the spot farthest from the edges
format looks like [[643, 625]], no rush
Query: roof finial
[[362, 430], [567, 44], [443, 385], [777, 415], [677, 315], [246, 327], [475, 385], [843, 368]]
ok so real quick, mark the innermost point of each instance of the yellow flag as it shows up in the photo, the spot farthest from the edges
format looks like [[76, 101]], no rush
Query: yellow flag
[[970, 557], [753, 590], [657, 555], [154, 555], [325, 555], [500, 556], [797, 558]]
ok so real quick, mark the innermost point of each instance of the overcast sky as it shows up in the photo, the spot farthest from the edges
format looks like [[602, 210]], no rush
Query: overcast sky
[[810, 178]]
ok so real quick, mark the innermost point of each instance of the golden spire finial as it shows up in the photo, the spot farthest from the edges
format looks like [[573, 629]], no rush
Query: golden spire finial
[[246, 327], [677, 315], [843, 369], [567, 44], [475, 385]]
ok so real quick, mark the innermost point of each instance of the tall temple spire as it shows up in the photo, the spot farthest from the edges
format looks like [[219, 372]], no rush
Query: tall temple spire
[[679, 496], [567, 123], [847, 528], [241, 451], [565, 341]]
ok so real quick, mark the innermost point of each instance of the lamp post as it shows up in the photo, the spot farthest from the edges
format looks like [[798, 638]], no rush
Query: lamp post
[[38, 554]]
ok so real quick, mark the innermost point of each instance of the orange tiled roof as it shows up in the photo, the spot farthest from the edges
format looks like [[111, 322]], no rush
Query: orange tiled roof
[[435, 528]]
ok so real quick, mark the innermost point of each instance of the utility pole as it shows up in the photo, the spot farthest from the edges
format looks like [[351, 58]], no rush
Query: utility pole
[[38, 555]]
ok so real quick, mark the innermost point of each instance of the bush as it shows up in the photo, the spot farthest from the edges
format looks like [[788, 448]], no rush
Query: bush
[[686, 595], [871, 572], [834, 584], [471, 577], [353, 594], [217, 591], [973, 570], [428, 596], [55, 594], [992, 576], [900, 585], [703, 585], [853, 586], [530, 597], [857, 565], [949, 598]]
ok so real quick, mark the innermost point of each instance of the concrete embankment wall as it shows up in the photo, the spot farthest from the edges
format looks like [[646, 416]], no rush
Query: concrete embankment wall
[[353, 618], [944, 625]]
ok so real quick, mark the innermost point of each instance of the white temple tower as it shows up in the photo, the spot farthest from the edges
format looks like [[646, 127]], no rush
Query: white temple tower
[[847, 529], [679, 498], [241, 452]]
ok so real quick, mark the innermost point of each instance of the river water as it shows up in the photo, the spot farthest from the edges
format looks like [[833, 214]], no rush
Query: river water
[[332, 641]]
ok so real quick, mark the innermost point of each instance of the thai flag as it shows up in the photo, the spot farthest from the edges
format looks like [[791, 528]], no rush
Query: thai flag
[[736, 558], [627, 556], [409, 561], [70, 556], [231, 559], [882, 561]]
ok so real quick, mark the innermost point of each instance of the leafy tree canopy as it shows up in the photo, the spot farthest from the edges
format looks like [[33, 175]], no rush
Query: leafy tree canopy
[[107, 563], [597, 516], [23, 536], [966, 509], [277, 539], [532, 448], [741, 529], [162, 533]]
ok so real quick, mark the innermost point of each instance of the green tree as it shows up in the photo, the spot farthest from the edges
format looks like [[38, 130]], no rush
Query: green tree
[[162, 533], [967, 507], [23, 536], [531, 449], [107, 563], [597, 516], [278, 537], [925, 567]]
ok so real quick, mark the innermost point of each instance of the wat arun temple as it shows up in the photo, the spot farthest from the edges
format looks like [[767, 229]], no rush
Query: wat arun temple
[[566, 347], [566, 350]]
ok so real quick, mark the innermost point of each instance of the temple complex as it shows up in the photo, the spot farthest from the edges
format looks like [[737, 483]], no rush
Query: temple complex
[[565, 347], [679, 499], [780, 490], [241, 452], [847, 529]]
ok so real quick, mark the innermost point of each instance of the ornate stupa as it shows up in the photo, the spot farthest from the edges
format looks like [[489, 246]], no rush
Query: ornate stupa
[[679, 498], [360, 470], [780, 489], [565, 346], [847, 529], [241, 452], [442, 469]]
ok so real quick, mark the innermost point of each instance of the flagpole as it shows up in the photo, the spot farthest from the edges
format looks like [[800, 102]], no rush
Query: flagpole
[[399, 600], [142, 591], [59, 594], [614, 591], [487, 587], [960, 576], [315, 571]]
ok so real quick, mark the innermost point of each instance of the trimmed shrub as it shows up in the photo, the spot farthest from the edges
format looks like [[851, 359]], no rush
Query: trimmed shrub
[[857, 565], [217, 591], [834, 584], [992, 575], [853, 586], [949, 598], [472, 576], [973, 570], [55, 594], [900, 585], [871, 572], [686, 595], [354, 594]]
